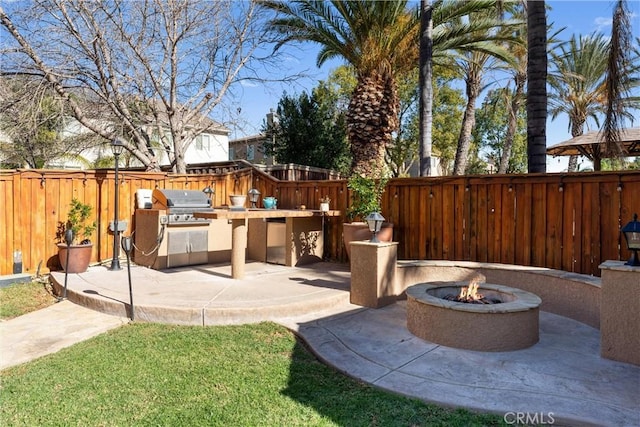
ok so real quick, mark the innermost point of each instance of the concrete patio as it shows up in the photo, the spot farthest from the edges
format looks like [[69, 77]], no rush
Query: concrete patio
[[561, 379]]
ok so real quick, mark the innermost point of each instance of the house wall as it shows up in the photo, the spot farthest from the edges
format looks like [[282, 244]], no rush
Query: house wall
[[250, 149], [214, 148]]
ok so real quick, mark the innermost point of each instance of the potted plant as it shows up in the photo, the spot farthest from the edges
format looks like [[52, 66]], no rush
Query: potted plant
[[366, 197], [80, 247]]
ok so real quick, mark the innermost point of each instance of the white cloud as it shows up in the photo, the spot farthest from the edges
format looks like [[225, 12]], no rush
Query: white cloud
[[602, 23], [248, 83]]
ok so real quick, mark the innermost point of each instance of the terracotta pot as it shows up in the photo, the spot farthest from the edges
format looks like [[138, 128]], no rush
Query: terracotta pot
[[79, 257], [355, 231]]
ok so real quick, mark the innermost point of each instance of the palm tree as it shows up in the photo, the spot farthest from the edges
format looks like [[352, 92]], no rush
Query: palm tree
[[467, 29], [473, 65], [426, 88], [622, 72], [514, 97], [377, 39], [577, 82], [537, 86]]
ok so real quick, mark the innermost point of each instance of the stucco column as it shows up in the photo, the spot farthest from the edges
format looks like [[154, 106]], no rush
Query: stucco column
[[620, 312], [238, 247], [373, 273]]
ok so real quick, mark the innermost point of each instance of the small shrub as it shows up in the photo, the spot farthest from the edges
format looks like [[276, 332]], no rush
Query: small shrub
[[366, 196], [78, 222]]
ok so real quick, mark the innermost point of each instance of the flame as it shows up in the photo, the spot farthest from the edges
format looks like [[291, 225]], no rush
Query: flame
[[470, 293]]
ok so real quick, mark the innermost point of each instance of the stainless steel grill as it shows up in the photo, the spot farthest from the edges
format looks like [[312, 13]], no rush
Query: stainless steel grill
[[180, 206]]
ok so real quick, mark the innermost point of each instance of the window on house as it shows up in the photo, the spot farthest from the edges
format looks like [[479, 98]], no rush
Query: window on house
[[203, 142], [232, 153], [250, 152]]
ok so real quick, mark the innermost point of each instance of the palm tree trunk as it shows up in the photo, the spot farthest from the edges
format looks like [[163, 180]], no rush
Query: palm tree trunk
[[577, 129], [372, 118], [514, 109], [426, 87], [615, 88], [468, 122], [573, 163], [537, 86]]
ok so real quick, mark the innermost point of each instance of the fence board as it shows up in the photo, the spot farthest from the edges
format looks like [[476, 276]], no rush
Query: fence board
[[8, 239], [629, 204], [494, 229], [507, 225], [435, 201], [593, 234], [524, 225], [555, 216], [570, 225], [480, 246], [610, 219], [448, 221]]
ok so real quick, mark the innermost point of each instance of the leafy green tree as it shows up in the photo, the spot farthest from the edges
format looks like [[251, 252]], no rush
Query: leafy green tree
[[449, 29], [492, 128], [515, 96], [448, 108], [403, 151], [310, 130], [473, 66], [32, 118]]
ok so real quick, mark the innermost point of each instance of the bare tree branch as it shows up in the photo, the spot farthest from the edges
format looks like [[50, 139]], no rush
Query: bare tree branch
[[158, 68]]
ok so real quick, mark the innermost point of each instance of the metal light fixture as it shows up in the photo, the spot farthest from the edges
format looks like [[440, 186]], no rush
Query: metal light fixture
[[254, 196], [117, 148], [68, 239], [127, 246], [631, 233], [374, 220], [209, 192]]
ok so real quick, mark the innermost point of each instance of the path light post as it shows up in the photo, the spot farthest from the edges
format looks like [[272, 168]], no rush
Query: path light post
[[68, 239], [117, 147], [631, 233], [127, 246], [374, 220]]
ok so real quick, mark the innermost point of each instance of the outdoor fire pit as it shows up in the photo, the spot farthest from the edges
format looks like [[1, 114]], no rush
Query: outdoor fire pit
[[473, 316]]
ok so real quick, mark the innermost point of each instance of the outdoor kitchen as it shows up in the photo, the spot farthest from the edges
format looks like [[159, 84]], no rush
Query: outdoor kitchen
[[167, 234], [175, 228]]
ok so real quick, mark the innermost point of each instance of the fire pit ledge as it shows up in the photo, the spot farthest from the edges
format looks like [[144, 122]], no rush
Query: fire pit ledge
[[516, 299], [506, 326]]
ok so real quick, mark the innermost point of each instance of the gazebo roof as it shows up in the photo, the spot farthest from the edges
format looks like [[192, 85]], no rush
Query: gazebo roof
[[593, 143]]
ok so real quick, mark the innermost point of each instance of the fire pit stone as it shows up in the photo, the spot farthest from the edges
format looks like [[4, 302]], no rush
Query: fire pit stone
[[511, 324]]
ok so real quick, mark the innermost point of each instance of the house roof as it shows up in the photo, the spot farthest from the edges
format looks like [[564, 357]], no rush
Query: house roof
[[248, 139], [592, 144], [163, 117]]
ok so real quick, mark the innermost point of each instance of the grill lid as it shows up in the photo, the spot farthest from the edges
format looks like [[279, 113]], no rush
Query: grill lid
[[183, 201]]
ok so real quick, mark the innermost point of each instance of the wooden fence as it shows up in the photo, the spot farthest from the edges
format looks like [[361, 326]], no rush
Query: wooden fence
[[569, 222]]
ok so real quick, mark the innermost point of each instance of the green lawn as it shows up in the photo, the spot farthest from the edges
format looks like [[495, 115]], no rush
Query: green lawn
[[251, 375], [21, 298]]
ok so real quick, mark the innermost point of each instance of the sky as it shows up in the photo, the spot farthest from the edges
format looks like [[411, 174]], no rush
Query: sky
[[580, 17]]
